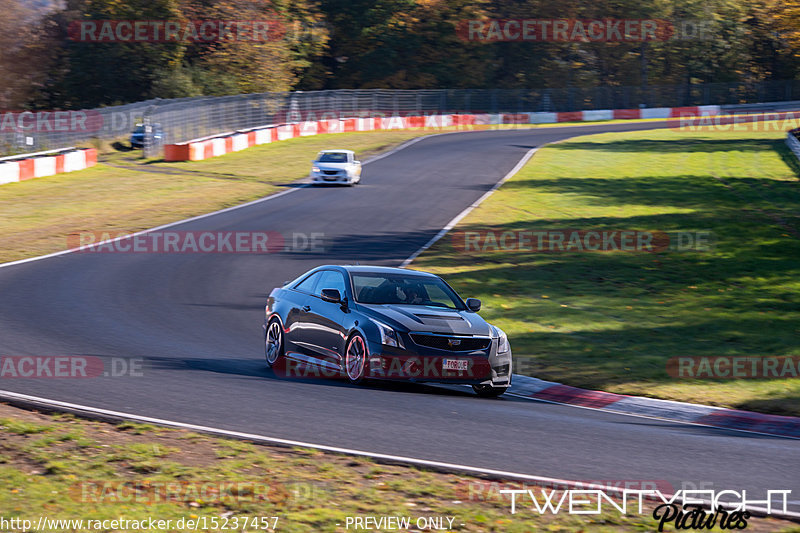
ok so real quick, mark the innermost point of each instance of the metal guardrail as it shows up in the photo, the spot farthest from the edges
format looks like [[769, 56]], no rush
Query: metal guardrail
[[36, 154], [793, 142], [770, 107], [190, 118]]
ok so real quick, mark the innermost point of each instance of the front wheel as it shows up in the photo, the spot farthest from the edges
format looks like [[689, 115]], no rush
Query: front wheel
[[355, 359], [273, 342], [487, 391]]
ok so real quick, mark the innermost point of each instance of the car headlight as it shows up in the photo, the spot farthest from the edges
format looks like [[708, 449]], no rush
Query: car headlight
[[502, 341], [314, 169], [389, 336]]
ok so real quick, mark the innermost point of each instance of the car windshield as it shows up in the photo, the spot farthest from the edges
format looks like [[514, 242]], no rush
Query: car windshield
[[381, 288], [332, 157]]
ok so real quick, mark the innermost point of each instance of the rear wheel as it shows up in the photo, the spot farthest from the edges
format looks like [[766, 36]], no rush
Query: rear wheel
[[355, 359], [487, 391], [273, 342]]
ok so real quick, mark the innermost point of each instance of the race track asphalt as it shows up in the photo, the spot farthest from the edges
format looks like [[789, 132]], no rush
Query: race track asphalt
[[195, 320]]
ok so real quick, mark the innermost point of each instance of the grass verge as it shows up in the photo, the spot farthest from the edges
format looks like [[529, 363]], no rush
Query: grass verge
[[612, 320], [67, 468]]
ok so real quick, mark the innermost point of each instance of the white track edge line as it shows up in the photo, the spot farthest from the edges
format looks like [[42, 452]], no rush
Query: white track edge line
[[450, 225], [301, 185], [336, 449], [274, 440]]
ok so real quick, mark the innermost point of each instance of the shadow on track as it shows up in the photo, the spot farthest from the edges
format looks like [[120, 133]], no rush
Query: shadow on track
[[255, 368]]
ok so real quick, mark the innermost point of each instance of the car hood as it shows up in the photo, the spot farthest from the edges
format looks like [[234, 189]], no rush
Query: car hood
[[428, 319], [331, 166]]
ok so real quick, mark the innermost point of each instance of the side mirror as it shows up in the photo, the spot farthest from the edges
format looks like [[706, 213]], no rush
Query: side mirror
[[331, 295], [357, 162], [473, 304]]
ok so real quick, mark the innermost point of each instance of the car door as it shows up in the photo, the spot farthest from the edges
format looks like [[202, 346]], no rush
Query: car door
[[326, 328], [296, 324], [356, 165]]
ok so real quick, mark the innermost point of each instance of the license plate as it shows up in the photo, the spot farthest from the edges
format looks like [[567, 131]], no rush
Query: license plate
[[455, 364]]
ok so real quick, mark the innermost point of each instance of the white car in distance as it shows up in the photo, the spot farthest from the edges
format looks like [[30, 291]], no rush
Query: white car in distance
[[336, 166]]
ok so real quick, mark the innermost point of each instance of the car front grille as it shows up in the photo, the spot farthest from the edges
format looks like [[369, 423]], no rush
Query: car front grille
[[330, 172], [453, 344]]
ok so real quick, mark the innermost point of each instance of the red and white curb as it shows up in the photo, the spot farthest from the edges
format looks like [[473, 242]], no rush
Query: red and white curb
[[703, 415], [29, 166], [207, 147]]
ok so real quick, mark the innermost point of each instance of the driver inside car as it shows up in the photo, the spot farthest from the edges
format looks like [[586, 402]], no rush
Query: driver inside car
[[410, 295]]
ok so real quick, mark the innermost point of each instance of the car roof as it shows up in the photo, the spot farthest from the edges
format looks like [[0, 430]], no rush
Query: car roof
[[379, 270]]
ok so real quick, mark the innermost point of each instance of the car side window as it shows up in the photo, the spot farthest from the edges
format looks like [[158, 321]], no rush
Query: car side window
[[307, 285], [437, 296], [330, 279]]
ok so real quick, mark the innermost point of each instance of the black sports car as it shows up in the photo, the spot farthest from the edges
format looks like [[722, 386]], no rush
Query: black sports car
[[364, 322]]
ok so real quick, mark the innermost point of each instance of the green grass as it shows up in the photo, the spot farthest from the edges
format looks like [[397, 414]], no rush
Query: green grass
[[169, 476], [21, 428], [611, 320]]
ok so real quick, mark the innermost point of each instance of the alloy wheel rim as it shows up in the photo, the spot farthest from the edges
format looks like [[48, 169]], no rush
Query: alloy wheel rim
[[356, 356], [273, 342]]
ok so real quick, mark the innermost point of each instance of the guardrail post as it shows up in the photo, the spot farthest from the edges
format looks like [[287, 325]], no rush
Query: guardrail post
[[793, 142], [149, 147]]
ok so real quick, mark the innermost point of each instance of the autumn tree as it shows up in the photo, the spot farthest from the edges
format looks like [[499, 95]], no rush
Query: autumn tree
[[403, 44], [295, 40], [23, 54]]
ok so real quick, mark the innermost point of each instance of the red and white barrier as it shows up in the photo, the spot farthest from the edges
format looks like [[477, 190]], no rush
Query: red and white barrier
[[9, 172], [40, 166], [234, 142]]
